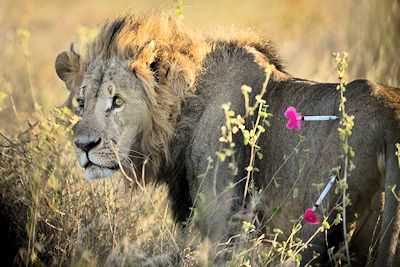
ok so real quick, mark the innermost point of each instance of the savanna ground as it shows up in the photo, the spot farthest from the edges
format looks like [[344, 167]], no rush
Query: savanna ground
[[49, 214]]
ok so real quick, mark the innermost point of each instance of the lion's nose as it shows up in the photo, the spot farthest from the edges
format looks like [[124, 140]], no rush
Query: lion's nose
[[86, 144]]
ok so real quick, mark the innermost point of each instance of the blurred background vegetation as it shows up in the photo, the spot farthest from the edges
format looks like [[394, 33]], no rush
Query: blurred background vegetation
[[305, 32], [33, 32]]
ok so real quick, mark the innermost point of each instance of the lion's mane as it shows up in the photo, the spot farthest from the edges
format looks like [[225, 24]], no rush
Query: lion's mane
[[177, 53]]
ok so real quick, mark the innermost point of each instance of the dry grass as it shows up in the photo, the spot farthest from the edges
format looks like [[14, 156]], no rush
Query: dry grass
[[55, 217], [61, 218]]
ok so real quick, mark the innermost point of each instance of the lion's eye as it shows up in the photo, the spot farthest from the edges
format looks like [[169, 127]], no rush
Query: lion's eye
[[79, 104], [118, 102]]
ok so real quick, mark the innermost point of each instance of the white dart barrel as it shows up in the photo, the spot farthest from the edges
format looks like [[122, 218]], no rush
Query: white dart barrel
[[320, 118], [326, 190]]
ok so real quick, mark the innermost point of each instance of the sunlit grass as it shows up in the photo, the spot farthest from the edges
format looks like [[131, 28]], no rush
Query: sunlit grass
[[58, 217]]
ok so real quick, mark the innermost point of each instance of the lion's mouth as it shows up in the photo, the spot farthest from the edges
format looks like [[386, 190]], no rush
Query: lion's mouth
[[93, 171], [89, 164]]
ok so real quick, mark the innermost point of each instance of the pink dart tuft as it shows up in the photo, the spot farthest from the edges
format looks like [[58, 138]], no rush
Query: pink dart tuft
[[311, 217], [294, 119]]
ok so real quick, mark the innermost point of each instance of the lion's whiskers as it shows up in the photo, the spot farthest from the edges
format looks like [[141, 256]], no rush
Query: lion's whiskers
[[141, 155], [125, 161]]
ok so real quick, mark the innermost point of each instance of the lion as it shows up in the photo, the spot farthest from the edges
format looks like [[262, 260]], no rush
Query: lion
[[149, 93]]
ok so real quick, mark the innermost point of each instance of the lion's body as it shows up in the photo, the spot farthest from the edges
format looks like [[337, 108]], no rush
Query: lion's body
[[321, 138], [192, 77]]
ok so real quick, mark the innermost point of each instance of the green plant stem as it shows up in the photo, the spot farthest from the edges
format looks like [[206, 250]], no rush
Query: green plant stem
[[342, 63], [250, 170], [344, 216]]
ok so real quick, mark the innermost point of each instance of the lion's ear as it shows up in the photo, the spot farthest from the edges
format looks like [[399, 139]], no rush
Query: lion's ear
[[67, 67], [153, 55]]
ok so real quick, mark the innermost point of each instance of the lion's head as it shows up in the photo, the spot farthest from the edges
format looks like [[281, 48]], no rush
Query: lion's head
[[112, 104], [131, 83], [123, 93]]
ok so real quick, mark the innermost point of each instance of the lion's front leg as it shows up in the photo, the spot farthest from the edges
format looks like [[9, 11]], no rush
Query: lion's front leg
[[216, 220], [218, 210]]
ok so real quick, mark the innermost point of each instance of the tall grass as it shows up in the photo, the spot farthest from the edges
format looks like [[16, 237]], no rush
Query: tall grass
[[57, 218], [374, 37], [60, 218]]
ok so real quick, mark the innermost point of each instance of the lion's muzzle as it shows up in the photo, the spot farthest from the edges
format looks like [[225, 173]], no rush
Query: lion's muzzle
[[88, 147]]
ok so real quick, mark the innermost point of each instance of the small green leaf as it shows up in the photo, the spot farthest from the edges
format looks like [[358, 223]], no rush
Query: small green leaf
[[247, 227], [276, 211], [221, 156], [53, 182], [277, 231], [326, 225], [295, 192], [318, 186], [202, 197], [338, 219]]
